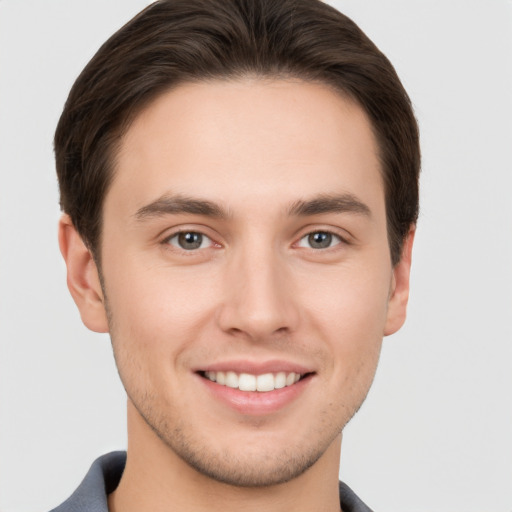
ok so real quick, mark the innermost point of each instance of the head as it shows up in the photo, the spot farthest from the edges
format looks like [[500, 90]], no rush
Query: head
[[239, 180], [180, 41]]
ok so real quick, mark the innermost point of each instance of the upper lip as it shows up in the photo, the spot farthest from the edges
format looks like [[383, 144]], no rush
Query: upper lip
[[256, 367]]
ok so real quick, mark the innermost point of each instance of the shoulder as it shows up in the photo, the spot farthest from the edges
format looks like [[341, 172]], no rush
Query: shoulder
[[349, 501], [101, 479]]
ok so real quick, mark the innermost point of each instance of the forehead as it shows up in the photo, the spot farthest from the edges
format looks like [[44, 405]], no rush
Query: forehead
[[237, 140]]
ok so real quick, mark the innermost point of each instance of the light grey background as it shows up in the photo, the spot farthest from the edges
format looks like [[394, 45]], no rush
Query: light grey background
[[436, 430]]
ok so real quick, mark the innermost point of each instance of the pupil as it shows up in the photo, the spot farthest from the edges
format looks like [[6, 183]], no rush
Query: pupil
[[190, 240], [320, 240]]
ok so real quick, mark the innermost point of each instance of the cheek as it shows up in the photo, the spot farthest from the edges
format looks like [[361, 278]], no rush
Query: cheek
[[348, 297], [155, 319], [158, 309], [349, 309]]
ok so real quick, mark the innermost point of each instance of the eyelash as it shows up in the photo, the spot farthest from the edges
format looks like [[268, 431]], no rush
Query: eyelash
[[176, 235], [329, 235]]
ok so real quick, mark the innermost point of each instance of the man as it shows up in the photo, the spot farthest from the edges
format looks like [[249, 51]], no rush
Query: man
[[239, 181]]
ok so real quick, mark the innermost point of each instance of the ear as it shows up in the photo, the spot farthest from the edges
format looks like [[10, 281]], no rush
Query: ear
[[82, 277], [399, 293]]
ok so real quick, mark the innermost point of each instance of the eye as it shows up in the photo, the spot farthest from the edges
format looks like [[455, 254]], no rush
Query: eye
[[319, 240], [189, 240]]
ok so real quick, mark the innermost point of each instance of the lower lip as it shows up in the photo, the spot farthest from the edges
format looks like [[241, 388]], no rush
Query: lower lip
[[256, 403]]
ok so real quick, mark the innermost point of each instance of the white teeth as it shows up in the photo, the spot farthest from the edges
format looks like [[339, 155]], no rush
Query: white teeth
[[280, 380], [265, 382], [290, 379], [231, 380], [249, 382]]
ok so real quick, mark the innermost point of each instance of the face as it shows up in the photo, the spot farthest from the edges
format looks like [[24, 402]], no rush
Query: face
[[247, 275]]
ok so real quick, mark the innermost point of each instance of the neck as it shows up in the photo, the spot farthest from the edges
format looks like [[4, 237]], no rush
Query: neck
[[156, 479]]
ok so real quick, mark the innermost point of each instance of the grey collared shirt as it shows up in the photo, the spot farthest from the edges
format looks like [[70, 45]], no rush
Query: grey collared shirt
[[105, 474]]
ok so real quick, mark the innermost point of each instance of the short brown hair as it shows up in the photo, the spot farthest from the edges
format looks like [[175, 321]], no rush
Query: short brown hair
[[177, 41]]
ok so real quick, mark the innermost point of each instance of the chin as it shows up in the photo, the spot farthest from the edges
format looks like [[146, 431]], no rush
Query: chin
[[261, 466], [252, 459]]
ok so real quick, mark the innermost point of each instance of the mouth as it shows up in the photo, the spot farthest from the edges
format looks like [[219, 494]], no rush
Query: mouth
[[262, 383], [256, 389]]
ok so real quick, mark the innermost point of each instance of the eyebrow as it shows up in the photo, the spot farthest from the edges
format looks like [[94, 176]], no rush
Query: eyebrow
[[176, 204], [343, 203]]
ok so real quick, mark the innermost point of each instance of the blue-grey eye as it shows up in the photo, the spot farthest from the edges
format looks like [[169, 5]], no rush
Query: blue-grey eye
[[189, 240], [319, 240]]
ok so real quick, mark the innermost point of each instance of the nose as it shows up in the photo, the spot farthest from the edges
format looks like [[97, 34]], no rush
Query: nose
[[258, 300]]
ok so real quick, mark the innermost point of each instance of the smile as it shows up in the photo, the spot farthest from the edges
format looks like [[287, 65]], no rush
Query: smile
[[249, 382]]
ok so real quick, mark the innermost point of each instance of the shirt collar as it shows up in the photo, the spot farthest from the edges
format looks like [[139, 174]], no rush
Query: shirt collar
[[106, 472]]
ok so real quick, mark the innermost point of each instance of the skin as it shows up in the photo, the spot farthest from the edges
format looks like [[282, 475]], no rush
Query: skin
[[255, 291]]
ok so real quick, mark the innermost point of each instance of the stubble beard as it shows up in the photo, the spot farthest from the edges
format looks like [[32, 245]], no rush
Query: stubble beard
[[249, 470], [253, 467]]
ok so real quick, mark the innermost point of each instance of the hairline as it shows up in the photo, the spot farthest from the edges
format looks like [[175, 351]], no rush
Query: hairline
[[119, 133]]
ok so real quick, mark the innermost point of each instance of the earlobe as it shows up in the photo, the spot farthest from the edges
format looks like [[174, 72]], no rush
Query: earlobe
[[82, 277], [399, 294]]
